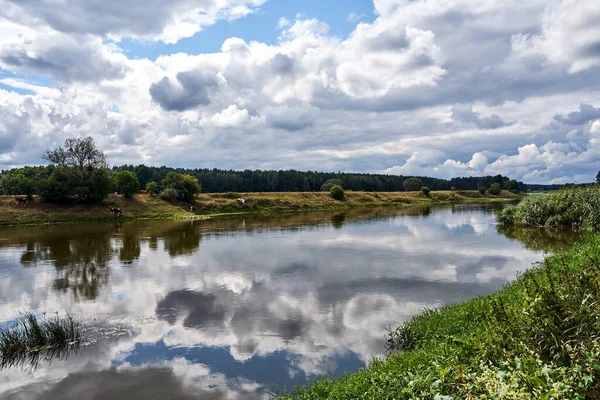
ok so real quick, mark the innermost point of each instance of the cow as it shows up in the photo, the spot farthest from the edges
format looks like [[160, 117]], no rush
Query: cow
[[143, 191], [192, 209], [241, 201], [21, 201], [116, 212]]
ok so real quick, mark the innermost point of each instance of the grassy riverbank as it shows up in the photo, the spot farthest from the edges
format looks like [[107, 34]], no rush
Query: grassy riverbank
[[152, 207], [538, 338]]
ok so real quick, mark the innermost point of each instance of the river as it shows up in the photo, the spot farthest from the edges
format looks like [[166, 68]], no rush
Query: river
[[237, 307]]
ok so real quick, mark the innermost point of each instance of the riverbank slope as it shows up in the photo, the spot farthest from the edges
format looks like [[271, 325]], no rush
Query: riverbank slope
[[153, 207], [538, 338]]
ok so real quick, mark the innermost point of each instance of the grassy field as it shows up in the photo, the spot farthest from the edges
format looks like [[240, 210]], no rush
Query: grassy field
[[538, 338], [152, 207]]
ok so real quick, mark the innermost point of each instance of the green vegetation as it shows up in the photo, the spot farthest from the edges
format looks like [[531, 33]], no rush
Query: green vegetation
[[538, 338], [30, 340], [329, 183], [425, 190], [337, 192], [154, 207], [598, 177], [412, 184], [495, 189], [569, 208], [152, 188], [127, 183], [482, 189], [184, 186]]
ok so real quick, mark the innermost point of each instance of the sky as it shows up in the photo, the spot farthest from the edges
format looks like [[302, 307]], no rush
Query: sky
[[439, 88]]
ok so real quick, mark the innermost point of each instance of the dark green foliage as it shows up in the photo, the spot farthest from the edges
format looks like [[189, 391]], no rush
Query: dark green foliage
[[26, 186], [569, 208], [538, 338], [127, 183], [169, 194], [337, 192], [55, 189], [152, 188], [186, 185], [598, 177], [482, 189], [223, 181], [30, 340], [412, 184], [329, 183], [425, 190], [495, 189], [512, 186]]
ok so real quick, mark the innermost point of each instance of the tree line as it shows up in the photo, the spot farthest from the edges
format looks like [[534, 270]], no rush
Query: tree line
[[221, 181], [79, 170]]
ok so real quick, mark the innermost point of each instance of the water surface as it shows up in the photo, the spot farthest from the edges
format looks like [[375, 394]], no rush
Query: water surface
[[232, 308]]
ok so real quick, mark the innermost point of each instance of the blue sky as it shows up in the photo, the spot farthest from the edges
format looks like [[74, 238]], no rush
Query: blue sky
[[260, 26], [435, 88]]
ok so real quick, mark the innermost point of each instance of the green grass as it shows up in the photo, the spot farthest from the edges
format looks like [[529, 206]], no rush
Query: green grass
[[538, 338], [30, 340], [567, 208], [145, 207]]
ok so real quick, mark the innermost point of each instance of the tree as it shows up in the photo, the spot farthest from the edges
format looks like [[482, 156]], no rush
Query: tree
[[127, 183], [26, 186], [187, 186], [337, 192], [152, 188], [425, 190], [495, 188], [598, 177], [80, 155], [412, 184], [512, 185], [85, 168], [482, 189], [329, 183]]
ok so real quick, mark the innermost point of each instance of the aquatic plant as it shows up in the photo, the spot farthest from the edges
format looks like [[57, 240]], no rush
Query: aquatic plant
[[568, 208], [30, 339]]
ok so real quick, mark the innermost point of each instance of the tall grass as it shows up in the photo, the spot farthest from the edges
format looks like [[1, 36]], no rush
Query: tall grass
[[538, 338], [30, 340], [569, 208]]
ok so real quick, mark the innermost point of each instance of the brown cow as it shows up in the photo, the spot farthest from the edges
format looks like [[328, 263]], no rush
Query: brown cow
[[143, 191]]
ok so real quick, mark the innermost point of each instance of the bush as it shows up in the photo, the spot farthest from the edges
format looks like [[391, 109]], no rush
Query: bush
[[187, 186], [55, 189], [329, 183], [495, 189], [169, 195], [425, 190], [569, 208], [482, 189], [152, 188], [337, 192], [127, 183], [412, 184]]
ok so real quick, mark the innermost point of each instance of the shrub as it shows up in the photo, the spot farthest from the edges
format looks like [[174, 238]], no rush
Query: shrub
[[482, 189], [495, 189], [329, 183], [169, 195], [412, 184], [152, 188], [337, 192], [186, 185], [569, 208], [425, 190], [127, 183]]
